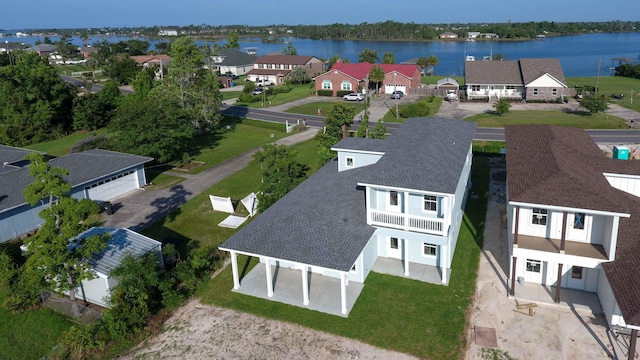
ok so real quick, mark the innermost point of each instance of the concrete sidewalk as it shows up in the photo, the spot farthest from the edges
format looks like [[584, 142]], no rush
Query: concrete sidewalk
[[139, 209]]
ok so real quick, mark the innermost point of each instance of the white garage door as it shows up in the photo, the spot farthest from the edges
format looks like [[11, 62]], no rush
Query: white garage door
[[113, 187], [390, 88]]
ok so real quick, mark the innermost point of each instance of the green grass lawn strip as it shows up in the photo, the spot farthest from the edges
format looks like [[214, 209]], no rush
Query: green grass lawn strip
[[581, 120]]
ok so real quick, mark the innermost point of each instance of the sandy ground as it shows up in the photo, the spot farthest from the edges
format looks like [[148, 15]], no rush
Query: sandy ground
[[554, 331], [198, 331]]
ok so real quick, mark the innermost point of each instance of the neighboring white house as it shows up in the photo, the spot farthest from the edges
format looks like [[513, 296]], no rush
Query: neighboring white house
[[391, 205], [122, 243], [93, 174], [572, 217], [232, 61], [168, 32]]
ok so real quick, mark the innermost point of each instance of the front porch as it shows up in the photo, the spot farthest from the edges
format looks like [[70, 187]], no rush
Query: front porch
[[324, 293], [545, 294], [420, 272]]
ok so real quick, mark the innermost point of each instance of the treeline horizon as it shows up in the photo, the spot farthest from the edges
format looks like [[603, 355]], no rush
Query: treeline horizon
[[388, 30]]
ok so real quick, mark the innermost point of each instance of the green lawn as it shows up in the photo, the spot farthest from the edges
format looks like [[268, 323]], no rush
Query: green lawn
[[438, 313], [325, 106], [434, 107], [196, 222], [226, 95], [158, 180], [608, 85], [296, 93], [433, 80], [582, 120], [60, 147], [29, 335]]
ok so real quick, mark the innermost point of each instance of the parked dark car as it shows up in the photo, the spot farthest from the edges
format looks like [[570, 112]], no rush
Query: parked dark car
[[397, 94]]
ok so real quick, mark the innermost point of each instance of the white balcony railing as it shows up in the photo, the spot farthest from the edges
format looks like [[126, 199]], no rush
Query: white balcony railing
[[409, 222]]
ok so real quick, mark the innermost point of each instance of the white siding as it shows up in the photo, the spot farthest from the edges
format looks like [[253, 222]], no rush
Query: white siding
[[626, 183], [608, 301], [359, 159]]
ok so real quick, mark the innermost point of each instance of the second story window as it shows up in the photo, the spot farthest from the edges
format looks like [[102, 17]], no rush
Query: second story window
[[430, 203], [578, 221], [539, 217], [349, 162], [260, 66], [393, 198], [277, 66], [287, 66]]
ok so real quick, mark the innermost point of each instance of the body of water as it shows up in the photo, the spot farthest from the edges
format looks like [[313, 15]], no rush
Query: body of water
[[579, 55]]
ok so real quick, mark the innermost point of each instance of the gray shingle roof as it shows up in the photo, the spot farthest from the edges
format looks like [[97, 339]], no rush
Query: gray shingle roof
[[233, 57], [83, 167], [534, 68], [122, 243], [492, 72], [284, 59], [323, 221], [11, 155], [361, 144]]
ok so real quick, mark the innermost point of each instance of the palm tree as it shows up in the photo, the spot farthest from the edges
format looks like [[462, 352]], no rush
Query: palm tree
[[376, 74]]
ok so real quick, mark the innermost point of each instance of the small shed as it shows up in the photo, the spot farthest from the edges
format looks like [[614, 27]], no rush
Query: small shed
[[123, 242], [448, 84]]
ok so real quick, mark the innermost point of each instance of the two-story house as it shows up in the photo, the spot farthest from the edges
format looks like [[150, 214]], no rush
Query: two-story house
[[530, 79], [277, 68], [232, 61], [392, 206], [572, 218]]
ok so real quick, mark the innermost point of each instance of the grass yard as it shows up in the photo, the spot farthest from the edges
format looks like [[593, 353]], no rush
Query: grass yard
[[434, 107], [433, 80], [226, 95], [325, 106], [437, 312], [29, 335], [195, 223], [608, 85], [61, 147], [581, 120], [296, 93]]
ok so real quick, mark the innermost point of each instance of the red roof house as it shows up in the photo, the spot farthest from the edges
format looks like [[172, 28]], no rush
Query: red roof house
[[354, 77]]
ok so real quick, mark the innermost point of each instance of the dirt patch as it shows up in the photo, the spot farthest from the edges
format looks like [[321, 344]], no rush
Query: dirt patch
[[551, 331], [198, 331]]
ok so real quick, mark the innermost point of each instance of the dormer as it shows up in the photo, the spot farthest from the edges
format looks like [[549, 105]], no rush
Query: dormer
[[357, 152]]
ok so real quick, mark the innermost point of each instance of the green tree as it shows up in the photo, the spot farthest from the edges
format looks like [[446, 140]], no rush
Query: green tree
[[334, 59], [154, 126], [423, 63], [88, 112], [122, 69], [56, 252], [379, 132], [337, 125], [299, 75], [502, 106], [232, 41], [195, 88], [163, 47], [36, 104], [432, 60], [290, 50], [368, 55], [65, 48], [594, 104], [376, 75], [280, 173], [388, 58], [363, 127]]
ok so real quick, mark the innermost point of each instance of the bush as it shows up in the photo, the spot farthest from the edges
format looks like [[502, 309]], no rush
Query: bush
[[248, 98], [92, 142], [415, 110], [342, 93], [325, 92], [502, 106], [279, 90]]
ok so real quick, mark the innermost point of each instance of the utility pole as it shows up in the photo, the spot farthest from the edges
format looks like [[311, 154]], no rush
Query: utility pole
[[598, 77]]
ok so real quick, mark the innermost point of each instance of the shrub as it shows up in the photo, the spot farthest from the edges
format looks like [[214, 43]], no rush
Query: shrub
[[502, 106], [279, 90], [92, 142], [415, 110], [342, 93], [325, 92], [248, 98]]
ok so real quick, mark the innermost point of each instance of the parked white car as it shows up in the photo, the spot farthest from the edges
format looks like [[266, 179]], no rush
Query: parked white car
[[264, 82], [353, 97]]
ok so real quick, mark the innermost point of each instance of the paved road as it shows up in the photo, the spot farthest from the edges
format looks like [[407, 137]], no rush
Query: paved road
[[138, 209]]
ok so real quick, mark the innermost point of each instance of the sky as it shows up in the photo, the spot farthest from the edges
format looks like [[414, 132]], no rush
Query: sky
[[40, 14]]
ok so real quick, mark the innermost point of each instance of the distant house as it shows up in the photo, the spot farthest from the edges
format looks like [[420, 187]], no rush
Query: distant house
[[167, 32], [393, 206], [352, 77], [122, 243], [87, 51], [530, 79], [152, 60], [232, 61], [93, 174], [573, 220], [473, 34], [448, 35], [42, 49], [277, 68]]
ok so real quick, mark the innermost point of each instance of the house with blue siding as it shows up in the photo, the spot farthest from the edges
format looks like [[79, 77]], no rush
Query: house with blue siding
[[93, 174], [391, 206]]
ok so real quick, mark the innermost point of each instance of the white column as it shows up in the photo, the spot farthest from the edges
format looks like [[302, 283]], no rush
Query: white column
[[444, 256], [367, 192], [343, 292], [405, 209], [305, 286], [269, 277], [234, 270], [406, 257]]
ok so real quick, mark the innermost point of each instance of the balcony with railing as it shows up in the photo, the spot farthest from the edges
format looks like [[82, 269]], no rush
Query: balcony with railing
[[595, 251], [408, 222]]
